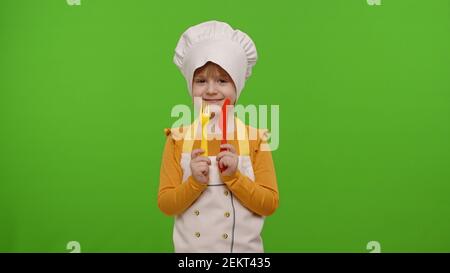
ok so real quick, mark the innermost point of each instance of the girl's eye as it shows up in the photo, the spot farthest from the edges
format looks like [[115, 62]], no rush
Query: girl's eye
[[200, 81], [223, 81]]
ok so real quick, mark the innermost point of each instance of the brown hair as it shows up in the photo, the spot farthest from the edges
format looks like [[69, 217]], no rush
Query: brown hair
[[213, 70]]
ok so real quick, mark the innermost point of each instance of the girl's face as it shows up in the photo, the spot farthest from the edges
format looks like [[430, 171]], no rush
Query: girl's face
[[213, 84]]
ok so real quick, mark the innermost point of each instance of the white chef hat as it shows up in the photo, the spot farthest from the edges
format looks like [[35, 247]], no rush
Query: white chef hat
[[219, 43]]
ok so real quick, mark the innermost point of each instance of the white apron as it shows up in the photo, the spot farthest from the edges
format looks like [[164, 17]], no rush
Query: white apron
[[217, 221]]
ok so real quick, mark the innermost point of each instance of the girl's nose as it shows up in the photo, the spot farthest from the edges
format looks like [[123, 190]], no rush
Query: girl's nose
[[211, 88]]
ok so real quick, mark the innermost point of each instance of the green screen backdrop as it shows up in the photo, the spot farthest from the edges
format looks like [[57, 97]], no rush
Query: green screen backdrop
[[364, 97]]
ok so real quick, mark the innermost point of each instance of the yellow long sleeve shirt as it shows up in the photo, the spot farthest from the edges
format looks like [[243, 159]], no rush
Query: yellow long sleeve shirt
[[259, 196]]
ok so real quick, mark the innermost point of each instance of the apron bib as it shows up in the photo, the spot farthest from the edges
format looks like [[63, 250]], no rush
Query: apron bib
[[217, 221]]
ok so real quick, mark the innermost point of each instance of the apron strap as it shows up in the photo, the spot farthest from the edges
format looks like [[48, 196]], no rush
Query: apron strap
[[189, 137], [242, 136]]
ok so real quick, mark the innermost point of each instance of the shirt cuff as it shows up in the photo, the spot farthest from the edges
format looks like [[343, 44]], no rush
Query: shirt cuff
[[196, 185], [230, 178]]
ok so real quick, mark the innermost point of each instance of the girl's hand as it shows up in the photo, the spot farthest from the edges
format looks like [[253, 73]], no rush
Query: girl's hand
[[200, 166], [228, 160]]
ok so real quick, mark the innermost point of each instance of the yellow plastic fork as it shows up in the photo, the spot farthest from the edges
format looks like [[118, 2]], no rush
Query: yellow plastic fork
[[205, 115]]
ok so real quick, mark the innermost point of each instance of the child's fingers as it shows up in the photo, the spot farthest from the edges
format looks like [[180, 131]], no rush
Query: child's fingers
[[203, 170], [202, 159], [196, 153], [222, 154], [202, 164], [227, 161], [229, 147]]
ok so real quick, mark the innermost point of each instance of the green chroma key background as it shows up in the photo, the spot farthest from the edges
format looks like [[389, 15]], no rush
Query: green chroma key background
[[364, 96]]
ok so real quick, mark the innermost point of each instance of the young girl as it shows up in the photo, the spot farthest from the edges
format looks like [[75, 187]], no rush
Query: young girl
[[218, 193]]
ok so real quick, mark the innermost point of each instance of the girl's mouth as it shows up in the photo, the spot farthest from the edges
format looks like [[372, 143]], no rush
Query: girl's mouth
[[213, 100]]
